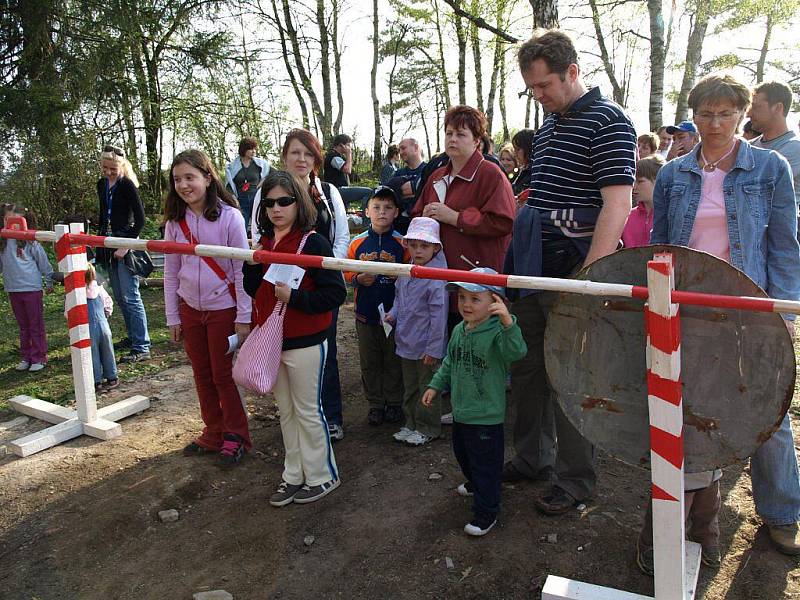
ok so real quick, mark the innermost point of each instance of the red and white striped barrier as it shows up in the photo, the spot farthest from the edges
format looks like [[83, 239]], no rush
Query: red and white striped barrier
[[676, 561], [86, 419]]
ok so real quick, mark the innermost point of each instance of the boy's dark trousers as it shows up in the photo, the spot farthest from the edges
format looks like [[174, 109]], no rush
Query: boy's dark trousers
[[381, 373], [479, 452]]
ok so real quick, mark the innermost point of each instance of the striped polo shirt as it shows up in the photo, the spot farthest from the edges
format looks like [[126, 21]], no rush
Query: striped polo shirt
[[573, 156]]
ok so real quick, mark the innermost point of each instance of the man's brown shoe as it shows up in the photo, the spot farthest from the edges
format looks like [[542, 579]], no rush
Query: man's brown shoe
[[786, 538]]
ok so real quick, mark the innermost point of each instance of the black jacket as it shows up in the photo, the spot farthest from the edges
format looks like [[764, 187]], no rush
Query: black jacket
[[127, 211]]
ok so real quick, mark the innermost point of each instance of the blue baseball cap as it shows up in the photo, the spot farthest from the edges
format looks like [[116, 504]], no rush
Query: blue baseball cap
[[477, 287], [685, 126]]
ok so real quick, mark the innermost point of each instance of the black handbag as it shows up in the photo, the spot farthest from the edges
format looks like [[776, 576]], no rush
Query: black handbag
[[139, 262]]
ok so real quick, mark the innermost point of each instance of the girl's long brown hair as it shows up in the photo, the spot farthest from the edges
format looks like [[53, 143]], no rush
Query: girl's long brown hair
[[306, 211], [175, 207]]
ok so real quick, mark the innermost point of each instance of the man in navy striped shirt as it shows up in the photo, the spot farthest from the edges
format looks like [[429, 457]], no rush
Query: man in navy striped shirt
[[583, 163]]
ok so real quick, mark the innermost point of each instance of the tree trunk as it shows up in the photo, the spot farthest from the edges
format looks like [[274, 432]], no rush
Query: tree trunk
[[321, 119], [762, 57], [152, 125], [658, 55], [528, 103], [462, 58], [545, 13], [337, 66], [475, 40], [292, 79], [325, 71], [255, 121], [694, 51], [608, 65], [502, 98], [442, 64], [376, 111]]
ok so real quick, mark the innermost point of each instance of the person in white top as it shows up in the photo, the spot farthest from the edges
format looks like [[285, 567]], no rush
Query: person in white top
[[302, 156]]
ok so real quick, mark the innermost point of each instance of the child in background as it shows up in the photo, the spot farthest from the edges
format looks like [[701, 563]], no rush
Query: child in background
[[640, 220], [100, 306], [23, 264], [419, 315], [205, 301], [476, 365], [381, 374]]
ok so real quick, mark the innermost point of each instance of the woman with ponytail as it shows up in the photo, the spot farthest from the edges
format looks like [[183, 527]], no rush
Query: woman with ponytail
[[122, 215], [302, 157]]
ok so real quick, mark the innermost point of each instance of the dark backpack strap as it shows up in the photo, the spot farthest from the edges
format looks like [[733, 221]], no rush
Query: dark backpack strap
[[326, 191], [210, 262]]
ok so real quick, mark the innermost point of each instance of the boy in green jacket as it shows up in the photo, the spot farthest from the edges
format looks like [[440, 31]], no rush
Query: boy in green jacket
[[478, 359]]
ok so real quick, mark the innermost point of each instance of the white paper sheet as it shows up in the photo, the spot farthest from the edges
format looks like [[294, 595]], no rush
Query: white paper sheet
[[387, 328], [291, 275]]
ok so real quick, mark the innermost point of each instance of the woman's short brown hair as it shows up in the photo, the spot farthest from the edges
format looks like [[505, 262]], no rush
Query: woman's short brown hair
[[248, 143], [715, 88], [465, 116], [649, 166], [651, 139], [306, 211]]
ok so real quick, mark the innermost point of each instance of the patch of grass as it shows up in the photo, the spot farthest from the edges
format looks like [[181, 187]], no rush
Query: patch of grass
[[55, 383]]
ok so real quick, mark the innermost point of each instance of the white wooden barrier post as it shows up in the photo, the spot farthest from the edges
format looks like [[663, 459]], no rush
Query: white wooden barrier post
[[86, 419], [676, 561]]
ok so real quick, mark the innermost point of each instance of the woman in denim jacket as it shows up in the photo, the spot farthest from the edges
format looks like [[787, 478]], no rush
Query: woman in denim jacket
[[737, 202]]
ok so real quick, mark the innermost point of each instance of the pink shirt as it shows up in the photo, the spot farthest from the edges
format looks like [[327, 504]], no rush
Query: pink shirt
[[710, 231], [190, 279], [637, 229]]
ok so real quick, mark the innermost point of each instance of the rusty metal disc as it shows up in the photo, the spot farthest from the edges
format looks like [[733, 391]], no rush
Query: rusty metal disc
[[738, 367]]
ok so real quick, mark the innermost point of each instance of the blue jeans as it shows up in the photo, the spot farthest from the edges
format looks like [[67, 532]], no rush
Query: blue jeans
[[126, 293], [246, 206], [479, 452], [776, 485], [103, 362], [331, 386]]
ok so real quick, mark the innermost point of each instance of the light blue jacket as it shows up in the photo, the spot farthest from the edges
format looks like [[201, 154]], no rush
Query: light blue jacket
[[236, 165], [762, 216]]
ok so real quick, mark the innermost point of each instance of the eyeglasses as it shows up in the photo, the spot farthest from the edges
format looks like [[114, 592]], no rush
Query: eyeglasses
[[113, 150], [283, 201], [723, 117]]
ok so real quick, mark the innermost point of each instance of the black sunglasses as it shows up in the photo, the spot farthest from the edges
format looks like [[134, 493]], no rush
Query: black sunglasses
[[114, 150], [283, 201]]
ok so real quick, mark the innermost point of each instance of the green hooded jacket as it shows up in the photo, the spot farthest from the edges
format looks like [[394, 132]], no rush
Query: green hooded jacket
[[475, 368]]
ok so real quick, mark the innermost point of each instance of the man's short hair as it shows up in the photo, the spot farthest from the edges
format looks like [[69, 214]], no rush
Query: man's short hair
[[342, 138], [552, 46], [776, 91], [660, 129]]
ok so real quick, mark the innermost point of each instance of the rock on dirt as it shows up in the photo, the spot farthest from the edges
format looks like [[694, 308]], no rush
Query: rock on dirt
[[168, 516], [434, 477], [213, 595], [308, 540]]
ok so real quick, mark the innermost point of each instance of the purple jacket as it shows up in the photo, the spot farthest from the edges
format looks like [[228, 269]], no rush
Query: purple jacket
[[420, 312], [189, 278]]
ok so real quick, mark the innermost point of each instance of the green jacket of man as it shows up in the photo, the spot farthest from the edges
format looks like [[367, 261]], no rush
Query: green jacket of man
[[475, 368]]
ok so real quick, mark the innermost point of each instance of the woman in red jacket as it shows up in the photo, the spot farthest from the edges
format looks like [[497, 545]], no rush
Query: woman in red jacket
[[471, 198]]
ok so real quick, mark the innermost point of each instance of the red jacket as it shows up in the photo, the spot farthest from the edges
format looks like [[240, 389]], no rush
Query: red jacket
[[482, 195]]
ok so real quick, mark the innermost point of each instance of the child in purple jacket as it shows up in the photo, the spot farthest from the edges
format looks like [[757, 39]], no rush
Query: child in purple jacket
[[420, 318]]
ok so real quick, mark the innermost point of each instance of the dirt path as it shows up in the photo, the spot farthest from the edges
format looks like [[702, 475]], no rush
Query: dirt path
[[79, 521]]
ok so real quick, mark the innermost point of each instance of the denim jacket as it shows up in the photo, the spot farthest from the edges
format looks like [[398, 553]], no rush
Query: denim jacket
[[762, 215]]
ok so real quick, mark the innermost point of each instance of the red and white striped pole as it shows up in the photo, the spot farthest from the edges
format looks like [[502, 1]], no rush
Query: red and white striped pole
[[662, 324]]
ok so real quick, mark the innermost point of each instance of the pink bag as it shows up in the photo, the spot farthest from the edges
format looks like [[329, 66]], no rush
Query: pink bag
[[256, 366]]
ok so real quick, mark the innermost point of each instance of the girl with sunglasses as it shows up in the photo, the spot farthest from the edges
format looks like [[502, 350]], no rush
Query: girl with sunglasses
[[205, 301], [287, 217]]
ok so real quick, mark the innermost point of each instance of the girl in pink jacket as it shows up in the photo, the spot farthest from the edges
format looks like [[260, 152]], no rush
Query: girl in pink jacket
[[205, 301]]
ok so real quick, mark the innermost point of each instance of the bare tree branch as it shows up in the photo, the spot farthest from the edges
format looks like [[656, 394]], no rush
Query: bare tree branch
[[480, 22]]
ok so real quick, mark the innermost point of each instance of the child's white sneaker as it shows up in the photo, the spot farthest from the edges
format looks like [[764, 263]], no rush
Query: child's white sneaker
[[23, 365], [415, 438], [465, 489], [36, 367], [402, 435], [479, 526], [447, 419]]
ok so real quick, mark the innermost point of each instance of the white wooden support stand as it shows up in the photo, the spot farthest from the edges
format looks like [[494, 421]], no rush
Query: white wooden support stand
[[86, 419], [676, 561]]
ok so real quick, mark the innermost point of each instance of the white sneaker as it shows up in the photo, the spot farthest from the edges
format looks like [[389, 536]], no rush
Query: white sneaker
[[478, 527], [447, 419], [36, 367], [23, 365], [402, 435], [415, 438], [336, 432], [465, 489]]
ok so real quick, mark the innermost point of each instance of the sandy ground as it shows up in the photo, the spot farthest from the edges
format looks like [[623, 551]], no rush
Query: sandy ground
[[79, 521]]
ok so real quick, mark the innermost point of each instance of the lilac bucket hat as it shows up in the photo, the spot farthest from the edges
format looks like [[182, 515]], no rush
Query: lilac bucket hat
[[424, 229]]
